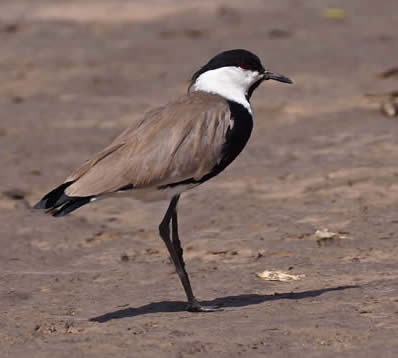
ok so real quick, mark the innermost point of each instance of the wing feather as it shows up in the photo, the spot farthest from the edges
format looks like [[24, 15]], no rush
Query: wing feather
[[173, 143]]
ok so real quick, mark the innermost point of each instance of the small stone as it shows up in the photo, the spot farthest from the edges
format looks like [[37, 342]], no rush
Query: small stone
[[17, 99], [389, 108], [278, 276], [279, 33], [15, 194], [35, 172], [11, 28], [124, 258]]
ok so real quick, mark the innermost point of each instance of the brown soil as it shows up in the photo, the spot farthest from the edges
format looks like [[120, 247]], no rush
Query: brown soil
[[99, 283]]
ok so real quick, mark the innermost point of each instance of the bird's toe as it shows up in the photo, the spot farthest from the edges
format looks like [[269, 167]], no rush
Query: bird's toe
[[197, 307]]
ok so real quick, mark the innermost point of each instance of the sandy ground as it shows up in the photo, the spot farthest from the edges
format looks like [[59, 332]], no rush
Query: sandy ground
[[99, 283]]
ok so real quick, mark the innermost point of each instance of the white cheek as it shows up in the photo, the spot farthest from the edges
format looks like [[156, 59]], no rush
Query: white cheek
[[232, 83], [253, 77]]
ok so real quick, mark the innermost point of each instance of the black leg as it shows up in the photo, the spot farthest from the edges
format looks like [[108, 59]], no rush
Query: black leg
[[175, 238], [176, 253]]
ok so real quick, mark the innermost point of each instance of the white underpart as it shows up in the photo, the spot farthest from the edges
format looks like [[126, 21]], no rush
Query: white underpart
[[230, 82]]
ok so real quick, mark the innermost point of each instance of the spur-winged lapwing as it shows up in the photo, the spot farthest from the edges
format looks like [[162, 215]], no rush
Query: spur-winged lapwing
[[174, 148]]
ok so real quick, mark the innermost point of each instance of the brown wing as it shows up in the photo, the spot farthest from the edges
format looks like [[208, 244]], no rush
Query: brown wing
[[173, 143]]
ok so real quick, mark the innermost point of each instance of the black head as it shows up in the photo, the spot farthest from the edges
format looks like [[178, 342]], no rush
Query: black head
[[243, 59], [236, 58]]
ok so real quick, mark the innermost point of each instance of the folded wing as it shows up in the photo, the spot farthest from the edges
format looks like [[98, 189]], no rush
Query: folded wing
[[181, 141]]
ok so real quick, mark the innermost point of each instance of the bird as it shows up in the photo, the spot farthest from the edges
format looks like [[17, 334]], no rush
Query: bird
[[174, 148]]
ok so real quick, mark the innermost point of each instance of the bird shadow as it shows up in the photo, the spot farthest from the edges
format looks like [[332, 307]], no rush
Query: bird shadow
[[224, 302]]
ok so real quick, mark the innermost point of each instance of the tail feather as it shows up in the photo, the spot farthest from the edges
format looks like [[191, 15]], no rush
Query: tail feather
[[71, 205], [51, 199], [57, 203]]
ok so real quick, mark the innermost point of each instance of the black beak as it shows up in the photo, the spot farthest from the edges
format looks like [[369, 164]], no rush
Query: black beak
[[268, 75]]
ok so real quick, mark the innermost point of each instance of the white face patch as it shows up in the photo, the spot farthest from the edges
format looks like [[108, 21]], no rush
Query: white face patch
[[231, 82]]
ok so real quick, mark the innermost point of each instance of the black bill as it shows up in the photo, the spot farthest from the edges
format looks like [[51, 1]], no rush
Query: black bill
[[268, 75]]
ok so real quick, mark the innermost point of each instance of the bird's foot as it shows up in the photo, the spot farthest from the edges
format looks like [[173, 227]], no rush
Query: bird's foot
[[195, 306]]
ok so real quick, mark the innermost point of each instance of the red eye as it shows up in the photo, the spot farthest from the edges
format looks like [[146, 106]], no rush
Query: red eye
[[244, 66]]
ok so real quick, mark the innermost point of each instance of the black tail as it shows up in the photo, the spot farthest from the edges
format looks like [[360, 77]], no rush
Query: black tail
[[57, 203]]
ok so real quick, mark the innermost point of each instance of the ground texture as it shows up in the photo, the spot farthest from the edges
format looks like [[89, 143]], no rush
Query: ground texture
[[99, 283]]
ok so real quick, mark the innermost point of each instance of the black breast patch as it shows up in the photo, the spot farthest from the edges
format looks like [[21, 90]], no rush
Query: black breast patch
[[235, 140]]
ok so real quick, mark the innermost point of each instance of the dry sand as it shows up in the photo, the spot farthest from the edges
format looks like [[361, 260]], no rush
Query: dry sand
[[99, 283]]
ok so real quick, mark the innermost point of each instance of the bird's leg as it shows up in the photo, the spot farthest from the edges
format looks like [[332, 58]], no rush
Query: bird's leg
[[175, 238], [176, 252], [164, 231]]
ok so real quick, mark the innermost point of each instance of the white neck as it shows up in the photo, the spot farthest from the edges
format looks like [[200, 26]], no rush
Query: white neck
[[232, 83]]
